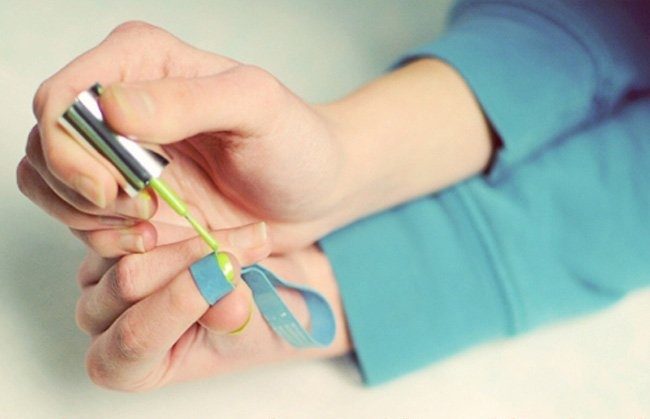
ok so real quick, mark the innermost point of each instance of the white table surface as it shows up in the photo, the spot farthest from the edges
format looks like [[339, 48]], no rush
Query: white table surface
[[596, 366]]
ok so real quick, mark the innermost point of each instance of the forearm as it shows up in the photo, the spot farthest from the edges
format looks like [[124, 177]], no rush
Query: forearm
[[566, 236], [412, 132]]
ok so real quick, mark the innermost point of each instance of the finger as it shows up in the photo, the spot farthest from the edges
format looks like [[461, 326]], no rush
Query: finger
[[137, 350], [85, 172], [92, 268], [242, 99], [141, 206], [134, 351], [32, 185], [132, 51], [34, 154], [233, 311], [136, 276], [114, 242]]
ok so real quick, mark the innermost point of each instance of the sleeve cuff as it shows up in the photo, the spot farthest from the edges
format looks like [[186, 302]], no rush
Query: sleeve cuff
[[416, 286], [533, 80]]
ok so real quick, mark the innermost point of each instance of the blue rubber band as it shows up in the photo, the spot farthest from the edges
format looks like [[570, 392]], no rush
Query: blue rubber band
[[263, 283], [209, 279]]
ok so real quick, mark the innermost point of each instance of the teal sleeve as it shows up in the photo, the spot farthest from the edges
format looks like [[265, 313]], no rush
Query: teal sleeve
[[559, 225], [567, 235], [543, 70]]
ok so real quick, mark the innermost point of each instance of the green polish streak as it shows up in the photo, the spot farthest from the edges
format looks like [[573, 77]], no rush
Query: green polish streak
[[177, 204]]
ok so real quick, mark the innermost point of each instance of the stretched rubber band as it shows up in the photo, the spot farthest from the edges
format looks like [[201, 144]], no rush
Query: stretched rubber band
[[213, 286]]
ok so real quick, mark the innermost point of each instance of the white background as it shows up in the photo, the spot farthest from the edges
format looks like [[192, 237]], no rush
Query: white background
[[598, 366]]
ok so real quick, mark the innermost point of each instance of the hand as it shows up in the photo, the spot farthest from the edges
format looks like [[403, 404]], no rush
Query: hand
[[244, 148], [151, 327]]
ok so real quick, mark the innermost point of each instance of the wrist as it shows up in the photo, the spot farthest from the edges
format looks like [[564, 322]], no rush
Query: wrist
[[409, 133]]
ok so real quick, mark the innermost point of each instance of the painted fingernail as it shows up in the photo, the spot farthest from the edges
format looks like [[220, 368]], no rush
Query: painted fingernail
[[90, 190], [243, 327], [131, 241], [225, 264], [132, 100], [253, 236], [117, 221]]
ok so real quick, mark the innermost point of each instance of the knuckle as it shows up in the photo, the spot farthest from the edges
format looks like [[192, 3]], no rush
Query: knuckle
[[267, 92], [134, 26], [260, 80], [139, 31], [81, 316], [108, 376], [97, 371], [104, 373], [122, 279], [40, 98], [33, 146], [129, 344], [87, 274], [23, 172]]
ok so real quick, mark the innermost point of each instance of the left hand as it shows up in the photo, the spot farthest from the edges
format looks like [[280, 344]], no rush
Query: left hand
[[244, 147], [150, 326]]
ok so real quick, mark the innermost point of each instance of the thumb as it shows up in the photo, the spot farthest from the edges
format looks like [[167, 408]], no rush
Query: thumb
[[243, 100]]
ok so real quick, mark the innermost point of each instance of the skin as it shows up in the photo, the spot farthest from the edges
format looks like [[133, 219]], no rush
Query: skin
[[244, 149], [149, 333]]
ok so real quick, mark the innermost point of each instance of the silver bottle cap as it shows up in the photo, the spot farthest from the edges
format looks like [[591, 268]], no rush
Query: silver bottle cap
[[84, 121]]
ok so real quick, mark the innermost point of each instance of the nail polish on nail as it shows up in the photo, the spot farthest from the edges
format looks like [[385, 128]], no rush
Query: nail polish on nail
[[225, 264], [251, 236], [243, 327], [90, 190]]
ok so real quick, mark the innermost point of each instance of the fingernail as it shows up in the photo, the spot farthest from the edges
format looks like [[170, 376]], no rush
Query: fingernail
[[132, 100], [139, 206], [143, 205], [225, 264], [117, 221], [252, 236], [90, 190], [243, 327], [131, 241]]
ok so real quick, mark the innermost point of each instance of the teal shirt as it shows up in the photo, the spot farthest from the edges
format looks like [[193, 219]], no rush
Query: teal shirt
[[557, 228]]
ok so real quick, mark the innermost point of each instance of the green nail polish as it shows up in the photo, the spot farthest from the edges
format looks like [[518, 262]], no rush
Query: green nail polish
[[226, 266], [177, 204]]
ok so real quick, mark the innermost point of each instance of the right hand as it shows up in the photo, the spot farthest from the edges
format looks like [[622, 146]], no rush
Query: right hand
[[150, 326], [244, 148]]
